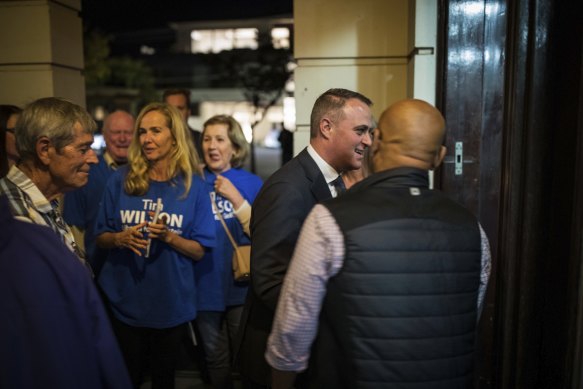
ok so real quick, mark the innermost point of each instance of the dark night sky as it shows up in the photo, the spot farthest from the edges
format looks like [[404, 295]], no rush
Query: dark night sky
[[128, 15]]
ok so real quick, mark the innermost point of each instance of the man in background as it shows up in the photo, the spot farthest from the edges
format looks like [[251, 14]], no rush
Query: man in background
[[388, 279], [180, 99], [340, 132], [81, 206]]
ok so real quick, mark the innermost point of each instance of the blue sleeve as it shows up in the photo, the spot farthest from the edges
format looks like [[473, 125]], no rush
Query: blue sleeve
[[255, 186], [247, 184], [203, 230], [106, 220]]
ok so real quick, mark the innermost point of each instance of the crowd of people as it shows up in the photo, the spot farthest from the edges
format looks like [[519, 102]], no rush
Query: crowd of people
[[361, 275]]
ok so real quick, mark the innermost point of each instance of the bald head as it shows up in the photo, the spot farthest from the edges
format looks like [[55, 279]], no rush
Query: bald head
[[410, 134], [118, 128]]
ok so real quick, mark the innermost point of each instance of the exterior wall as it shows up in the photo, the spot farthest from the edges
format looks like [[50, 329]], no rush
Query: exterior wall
[[423, 44], [42, 51], [359, 45]]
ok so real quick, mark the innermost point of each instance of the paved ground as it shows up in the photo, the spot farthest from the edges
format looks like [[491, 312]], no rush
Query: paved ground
[[190, 379]]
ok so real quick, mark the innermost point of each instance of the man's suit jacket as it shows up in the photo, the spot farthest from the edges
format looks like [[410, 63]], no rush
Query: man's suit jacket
[[277, 217], [196, 140]]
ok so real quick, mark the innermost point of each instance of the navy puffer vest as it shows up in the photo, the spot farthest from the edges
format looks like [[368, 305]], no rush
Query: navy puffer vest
[[402, 311]]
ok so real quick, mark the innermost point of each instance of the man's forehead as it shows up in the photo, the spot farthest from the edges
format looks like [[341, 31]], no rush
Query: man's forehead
[[177, 99], [121, 126], [358, 111], [81, 140], [356, 106], [354, 102]]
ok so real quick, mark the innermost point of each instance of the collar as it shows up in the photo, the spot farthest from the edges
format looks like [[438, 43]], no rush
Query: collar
[[21, 180], [401, 177], [110, 161], [328, 171]]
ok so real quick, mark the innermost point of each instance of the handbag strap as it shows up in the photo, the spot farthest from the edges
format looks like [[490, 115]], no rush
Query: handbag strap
[[235, 246]]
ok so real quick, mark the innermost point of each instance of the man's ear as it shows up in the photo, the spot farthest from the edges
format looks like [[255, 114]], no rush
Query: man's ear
[[42, 146], [325, 127], [439, 156]]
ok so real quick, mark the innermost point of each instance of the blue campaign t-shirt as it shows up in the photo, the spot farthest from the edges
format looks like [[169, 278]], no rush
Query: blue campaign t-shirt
[[217, 288], [158, 291]]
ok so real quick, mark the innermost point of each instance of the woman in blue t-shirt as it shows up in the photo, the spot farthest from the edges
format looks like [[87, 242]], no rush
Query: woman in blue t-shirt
[[232, 190], [156, 219]]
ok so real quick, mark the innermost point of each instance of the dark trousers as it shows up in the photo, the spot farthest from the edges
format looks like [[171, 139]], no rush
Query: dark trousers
[[218, 330], [161, 345], [248, 384]]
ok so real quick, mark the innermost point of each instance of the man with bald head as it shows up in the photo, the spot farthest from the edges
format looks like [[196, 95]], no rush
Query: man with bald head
[[387, 281], [81, 206]]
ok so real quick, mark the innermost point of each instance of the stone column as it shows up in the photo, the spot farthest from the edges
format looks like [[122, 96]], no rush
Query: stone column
[[41, 51]]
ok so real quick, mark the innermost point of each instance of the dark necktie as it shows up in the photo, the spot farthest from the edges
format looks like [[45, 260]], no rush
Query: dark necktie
[[338, 184]]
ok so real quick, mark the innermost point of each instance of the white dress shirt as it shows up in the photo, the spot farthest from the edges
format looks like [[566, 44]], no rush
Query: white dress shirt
[[330, 174]]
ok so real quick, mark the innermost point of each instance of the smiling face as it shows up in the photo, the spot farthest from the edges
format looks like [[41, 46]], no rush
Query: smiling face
[[117, 131], [155, 137], [351, 134], [69, 166], [217, 148]]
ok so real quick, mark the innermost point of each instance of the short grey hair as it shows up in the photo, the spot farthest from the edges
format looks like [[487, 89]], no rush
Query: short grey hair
[[54, 118]]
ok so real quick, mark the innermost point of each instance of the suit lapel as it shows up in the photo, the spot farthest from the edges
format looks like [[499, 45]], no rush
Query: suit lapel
[[318, 187]]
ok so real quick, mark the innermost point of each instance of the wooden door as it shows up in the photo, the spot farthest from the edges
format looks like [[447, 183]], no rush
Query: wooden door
[[510, 88]]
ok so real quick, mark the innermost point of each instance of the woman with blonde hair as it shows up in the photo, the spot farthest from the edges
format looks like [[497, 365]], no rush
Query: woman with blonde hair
[[156, 221]]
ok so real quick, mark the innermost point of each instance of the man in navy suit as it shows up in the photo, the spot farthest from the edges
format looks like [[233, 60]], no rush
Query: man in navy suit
[[341, 128]]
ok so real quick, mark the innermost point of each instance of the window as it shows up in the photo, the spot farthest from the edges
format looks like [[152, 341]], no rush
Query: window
[[214, 41], [280, 37]]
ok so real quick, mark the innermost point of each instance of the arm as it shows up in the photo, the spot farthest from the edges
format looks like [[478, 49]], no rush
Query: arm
[[278, 214], [319, 255], [130, 238], [225, 188], [187, 247], [485, 269], [243, 214]]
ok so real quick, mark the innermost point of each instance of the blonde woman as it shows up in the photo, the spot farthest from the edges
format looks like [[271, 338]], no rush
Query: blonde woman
[[156, 219]]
